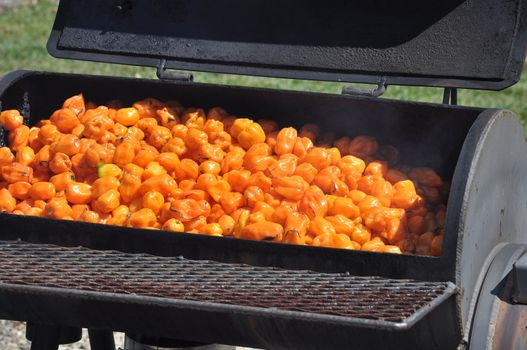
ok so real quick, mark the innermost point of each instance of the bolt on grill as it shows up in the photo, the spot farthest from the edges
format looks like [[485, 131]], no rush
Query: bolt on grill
[[373, 298]]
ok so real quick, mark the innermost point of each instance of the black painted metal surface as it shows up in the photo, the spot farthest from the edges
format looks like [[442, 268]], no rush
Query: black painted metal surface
[[451, 43], [101, 340], [280, 297], [482, 152], [41, 333]]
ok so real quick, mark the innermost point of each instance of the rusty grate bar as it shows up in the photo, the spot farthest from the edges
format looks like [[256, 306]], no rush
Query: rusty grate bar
[[177, 278]]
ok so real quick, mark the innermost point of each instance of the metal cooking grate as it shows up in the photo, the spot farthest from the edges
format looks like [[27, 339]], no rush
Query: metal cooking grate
[[79, 268]]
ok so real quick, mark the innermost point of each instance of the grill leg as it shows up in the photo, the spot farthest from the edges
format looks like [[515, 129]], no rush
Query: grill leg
[[45, 337], [169, 344], [101, 340]]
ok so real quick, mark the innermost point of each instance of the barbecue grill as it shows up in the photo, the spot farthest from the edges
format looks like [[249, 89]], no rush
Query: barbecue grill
[[172, 289]]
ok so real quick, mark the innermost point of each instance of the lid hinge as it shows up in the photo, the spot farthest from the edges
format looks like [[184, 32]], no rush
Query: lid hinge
[[163, 74], [450, 96], [361, 91]]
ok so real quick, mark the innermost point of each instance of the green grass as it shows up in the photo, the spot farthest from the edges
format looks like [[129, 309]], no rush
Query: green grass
[[24, 32]]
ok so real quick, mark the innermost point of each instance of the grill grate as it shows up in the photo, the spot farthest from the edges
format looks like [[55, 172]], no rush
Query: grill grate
[[78, 268]]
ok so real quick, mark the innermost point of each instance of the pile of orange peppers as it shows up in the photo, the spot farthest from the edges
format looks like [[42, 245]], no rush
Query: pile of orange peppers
[[165, 167]]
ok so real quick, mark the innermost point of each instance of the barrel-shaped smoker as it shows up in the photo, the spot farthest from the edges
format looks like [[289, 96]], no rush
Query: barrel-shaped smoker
[[60, 274]]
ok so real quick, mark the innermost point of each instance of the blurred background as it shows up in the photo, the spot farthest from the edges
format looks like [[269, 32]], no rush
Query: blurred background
[[24, 30]]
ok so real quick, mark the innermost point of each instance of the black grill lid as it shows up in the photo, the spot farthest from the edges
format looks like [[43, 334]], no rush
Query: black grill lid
[[449, 43]]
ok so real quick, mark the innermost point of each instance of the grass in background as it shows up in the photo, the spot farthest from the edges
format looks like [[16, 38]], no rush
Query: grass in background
[[24, 32]]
